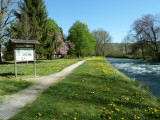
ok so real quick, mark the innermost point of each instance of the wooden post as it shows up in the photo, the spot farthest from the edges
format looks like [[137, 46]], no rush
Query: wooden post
[[34, 60], [15, 64]]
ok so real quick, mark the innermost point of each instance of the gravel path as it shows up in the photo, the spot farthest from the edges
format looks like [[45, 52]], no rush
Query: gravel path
[[13, 103]]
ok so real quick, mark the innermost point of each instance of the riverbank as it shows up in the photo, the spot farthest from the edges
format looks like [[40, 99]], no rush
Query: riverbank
[[146, 72], [94, 90], [132, 57]]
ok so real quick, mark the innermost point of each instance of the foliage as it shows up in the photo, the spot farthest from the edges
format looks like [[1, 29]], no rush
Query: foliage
[[93, 91], [55, 43], [9, 53], [83, 40], [62, 47], [50, 43], [31, 23]]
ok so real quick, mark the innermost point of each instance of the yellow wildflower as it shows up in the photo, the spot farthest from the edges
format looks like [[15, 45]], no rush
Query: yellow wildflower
[[39, 114], [138, 117], [155, 110], [64, 114], [116, 109]]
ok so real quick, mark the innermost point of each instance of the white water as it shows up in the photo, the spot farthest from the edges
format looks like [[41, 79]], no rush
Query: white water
[[146, 72], [139, 68]]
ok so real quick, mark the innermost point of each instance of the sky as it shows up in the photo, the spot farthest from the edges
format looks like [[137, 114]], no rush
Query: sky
[[114, 16]]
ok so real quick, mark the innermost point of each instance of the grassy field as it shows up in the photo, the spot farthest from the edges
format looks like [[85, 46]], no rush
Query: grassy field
[[9, 85], [93, 91]]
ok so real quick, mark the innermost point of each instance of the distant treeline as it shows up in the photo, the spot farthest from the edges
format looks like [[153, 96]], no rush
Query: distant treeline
[[141, 42]]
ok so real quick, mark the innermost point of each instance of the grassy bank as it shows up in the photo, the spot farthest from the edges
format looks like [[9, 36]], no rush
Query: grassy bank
[[93, 91], [9, 85]]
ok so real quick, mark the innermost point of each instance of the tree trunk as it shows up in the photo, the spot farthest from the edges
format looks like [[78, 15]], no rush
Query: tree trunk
[[126, 50], [2, 6], [158, 57], [0, 48], [0, 53], [143, 53]]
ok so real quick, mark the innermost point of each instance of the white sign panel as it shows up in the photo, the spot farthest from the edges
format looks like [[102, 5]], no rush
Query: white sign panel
[[24, 54]]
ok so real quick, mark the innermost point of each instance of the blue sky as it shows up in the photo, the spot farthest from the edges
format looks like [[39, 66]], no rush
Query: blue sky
[[115, 16]]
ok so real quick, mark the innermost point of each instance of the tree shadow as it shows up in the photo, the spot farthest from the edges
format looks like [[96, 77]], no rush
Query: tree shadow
[[8, 74]]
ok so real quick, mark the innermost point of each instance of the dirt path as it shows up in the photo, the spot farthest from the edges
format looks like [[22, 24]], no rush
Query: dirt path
[[13, 103]]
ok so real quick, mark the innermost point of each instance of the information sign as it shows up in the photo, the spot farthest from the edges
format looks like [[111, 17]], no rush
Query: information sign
[[24, 54]]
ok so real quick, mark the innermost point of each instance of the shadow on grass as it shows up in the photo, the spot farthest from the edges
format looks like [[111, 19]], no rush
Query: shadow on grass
[[8, 74]]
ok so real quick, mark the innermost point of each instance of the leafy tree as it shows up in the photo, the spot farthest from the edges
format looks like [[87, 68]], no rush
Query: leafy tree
[[83, 40], [55, 43], [22, 28], [62, 48], [102, 38], [31, 22], [9, 54], [50, 43]]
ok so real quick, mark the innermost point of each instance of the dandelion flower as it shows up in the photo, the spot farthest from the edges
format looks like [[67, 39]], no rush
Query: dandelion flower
[[39, 114]]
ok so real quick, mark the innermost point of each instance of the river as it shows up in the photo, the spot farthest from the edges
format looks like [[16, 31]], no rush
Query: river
[[146, 72]]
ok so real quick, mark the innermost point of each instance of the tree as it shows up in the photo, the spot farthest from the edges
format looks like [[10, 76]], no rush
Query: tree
[[55, 43], [62, 48], [31, 22], [139, 43], [50, 43], [125, 43], [102, 38], [22, 28], [6, 14], [82, 39], [147, 29]]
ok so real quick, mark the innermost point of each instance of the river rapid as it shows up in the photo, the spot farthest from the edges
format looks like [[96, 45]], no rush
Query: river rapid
[[146, 72]]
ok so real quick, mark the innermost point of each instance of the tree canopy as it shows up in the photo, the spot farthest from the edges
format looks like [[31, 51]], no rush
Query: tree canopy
[[81, 37]]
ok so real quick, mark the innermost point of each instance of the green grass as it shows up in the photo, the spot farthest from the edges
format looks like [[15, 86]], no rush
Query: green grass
[[93, 91], [10, 85]]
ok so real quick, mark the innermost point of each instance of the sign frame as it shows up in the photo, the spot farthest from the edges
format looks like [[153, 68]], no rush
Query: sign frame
[[18, 43], [15, 61]]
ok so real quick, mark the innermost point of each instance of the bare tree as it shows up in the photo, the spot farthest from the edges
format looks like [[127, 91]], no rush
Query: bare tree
[[147, 29], [125, 44], [139, 41], [6, 17], [102, 38]]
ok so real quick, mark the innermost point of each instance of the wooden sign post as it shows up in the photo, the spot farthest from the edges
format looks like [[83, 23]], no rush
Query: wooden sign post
[[24, 50]]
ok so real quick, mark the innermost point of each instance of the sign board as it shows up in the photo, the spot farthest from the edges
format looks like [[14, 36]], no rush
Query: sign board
[[24, 54]]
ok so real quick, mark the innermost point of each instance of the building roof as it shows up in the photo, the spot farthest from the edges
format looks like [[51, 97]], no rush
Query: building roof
[[20, 41]]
